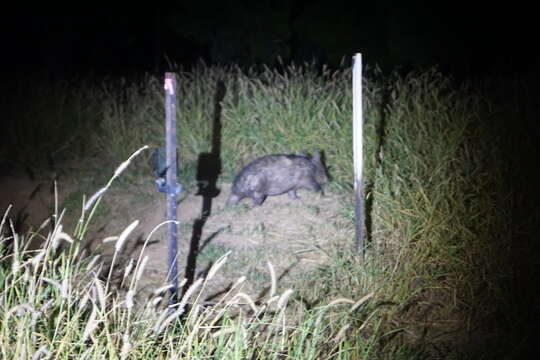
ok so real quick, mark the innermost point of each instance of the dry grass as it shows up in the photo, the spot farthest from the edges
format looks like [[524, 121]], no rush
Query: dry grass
[[61, 302], [438, 224]]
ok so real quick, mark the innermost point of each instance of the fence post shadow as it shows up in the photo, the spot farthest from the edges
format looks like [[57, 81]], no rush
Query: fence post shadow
[[208, 171], [381, 137]]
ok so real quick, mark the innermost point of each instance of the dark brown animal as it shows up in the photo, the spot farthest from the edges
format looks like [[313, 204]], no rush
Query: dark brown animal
[[278, 174]]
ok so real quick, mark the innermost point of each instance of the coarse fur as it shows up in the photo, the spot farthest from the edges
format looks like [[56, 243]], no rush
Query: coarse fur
[[278, 174]]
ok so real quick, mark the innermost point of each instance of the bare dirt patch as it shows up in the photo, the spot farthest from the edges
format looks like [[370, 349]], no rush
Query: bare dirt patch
[[295, 236], [30, 201]]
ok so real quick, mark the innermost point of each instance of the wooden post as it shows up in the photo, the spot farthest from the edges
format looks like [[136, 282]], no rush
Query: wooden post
[[358, 150], [171, 184]]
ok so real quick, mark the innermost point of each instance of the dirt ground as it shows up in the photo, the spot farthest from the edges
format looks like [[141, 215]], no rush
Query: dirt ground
[[295, 236]]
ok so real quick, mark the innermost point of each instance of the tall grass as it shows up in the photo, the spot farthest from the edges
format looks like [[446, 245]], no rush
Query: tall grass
[[437, 230], [46, 121], [64, 304]]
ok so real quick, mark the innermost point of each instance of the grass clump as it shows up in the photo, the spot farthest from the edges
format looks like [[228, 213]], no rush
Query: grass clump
[[59, 302], [46, 121], [436, 219]]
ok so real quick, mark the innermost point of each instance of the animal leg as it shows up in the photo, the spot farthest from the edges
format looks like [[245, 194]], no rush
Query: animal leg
[[258, 198], [292, 194]]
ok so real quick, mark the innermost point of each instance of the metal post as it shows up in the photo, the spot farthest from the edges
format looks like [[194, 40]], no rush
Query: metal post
[[358, 150], [172, 186]]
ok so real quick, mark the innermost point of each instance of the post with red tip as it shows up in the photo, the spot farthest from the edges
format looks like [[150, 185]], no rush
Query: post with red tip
[[172, 186]]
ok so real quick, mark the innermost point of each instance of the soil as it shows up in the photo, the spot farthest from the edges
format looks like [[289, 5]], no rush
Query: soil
[[295, 236]]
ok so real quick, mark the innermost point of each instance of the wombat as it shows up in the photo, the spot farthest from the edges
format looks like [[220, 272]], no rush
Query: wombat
[[278, 174]]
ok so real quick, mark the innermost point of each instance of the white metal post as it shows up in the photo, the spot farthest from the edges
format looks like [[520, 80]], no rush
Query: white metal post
[[358, 150]]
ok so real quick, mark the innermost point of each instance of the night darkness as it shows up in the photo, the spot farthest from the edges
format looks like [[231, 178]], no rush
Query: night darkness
[[462, 38], [465, 40]]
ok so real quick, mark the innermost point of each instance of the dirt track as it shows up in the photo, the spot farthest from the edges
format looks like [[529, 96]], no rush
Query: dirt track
[[294, 235]]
